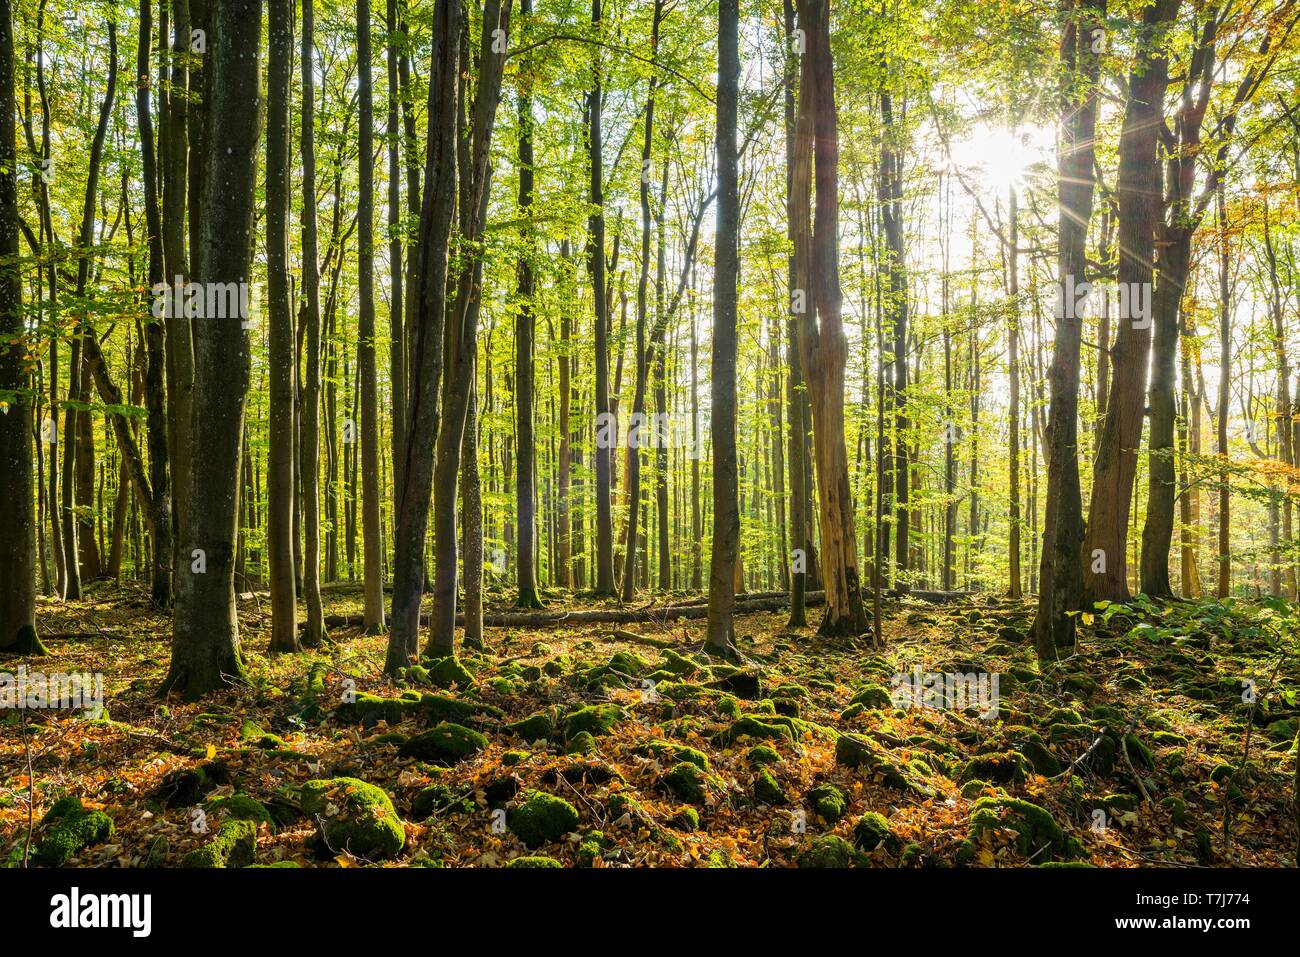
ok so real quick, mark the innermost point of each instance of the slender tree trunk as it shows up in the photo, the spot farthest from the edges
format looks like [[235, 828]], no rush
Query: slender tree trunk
[[281, 365], [1060, 574], [368, 426], [726, 508]]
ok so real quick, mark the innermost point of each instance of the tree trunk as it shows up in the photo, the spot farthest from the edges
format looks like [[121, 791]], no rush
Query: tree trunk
[[205, 642]]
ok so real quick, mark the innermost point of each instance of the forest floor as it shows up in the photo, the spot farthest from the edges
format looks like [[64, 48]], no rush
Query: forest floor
[[1167, 738]]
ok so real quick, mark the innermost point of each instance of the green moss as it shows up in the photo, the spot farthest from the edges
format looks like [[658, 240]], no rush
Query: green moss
[[354, 816], [510, 758], [828, 801], [750, 726], [446, 744], [1002, 767], [621, 803], [541, 818], [441, 799], [590, 848], [448, 672], [534, 862], [686, 819], [859, 751], [831, 851], [678, 665], [687, 782], [872, 830], [536, 727], [678, 752], [597, 719], [233, 846], [767, 790], [1037, 833], [70, 830], [762, 754], [872, 697], [241, 807], [1042, 760], [581, 743]]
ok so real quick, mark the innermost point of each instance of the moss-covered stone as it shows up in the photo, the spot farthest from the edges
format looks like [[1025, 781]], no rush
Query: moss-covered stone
[[751, 726], [669, 750], [762, 754], [872, 697], [241, 807], [830, 851], [1038, 836], [355, 816], [232, 846], [581, 743], [536, 727], [448, 672], [445, 744], [686, 782], [1001, 767], [872, 830], [596, 719], [69, 830], [621, 803], [528, 862], [1042, 760], [829, 802], [590, 848], [686, 818], [541, 818], [767, 790], [441, 799], [511, 758]]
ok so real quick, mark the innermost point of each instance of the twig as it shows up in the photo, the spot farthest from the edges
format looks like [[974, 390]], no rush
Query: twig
[[31, 792], [1123, 746]]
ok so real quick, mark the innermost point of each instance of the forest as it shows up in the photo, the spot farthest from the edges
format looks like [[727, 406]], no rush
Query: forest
[[649, 433]]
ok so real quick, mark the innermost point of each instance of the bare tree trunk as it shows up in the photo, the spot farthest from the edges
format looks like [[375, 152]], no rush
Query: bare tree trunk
[[726, 508], [1060, 574], [205, 642], [18, 543]]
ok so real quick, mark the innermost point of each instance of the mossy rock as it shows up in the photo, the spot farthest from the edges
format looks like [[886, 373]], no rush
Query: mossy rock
[[687, 782], [685, 819], [742, 682], [511, 758], [678, 752], [831, 851], [536, 727], [858, 751], [596, 719], [445, 744], [70, 829], [751, 726], [872, 697], [677, 664], [233, 846], [188, 786], [620, 803], [355, 816], [872, 830], [1038, 836], [762, 754], [441, 799], [241, 807], [1119, 803], [829, 802], [1139, 753], [541, 818], [581, 743], [1042, 760], [448, 672], [1001, 767], [527, 862], [767, 790], [590, 848]]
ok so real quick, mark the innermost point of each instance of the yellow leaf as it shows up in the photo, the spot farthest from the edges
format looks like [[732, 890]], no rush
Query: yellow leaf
[[212, 751]]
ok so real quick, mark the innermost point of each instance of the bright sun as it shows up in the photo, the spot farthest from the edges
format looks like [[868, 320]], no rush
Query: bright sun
[[999, 158]]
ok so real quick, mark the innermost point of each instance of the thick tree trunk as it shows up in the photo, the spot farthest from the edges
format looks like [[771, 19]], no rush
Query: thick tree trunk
[[17, 514], [205, 642], [823, 351]]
